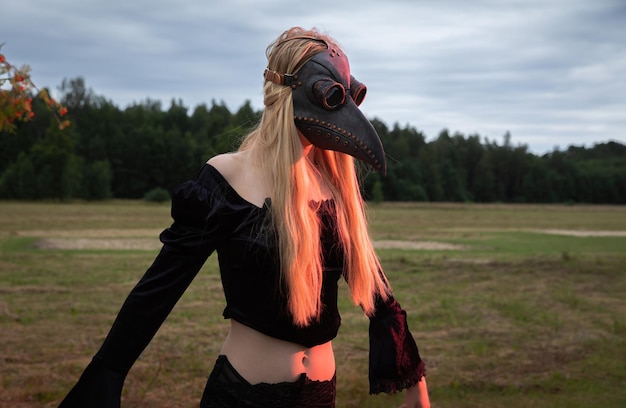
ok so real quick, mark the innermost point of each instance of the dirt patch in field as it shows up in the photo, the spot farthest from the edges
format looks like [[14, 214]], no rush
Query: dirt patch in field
[[99, 243], [144, 239], [153, 244], [89, 233], [582, 233], [423, 245]]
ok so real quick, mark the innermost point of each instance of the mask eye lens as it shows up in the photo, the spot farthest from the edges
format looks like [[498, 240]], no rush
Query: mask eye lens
[[329, 94], [335, 96], [357, 91]]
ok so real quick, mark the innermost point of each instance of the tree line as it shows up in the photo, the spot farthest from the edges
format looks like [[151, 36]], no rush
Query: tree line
[[110, 152]]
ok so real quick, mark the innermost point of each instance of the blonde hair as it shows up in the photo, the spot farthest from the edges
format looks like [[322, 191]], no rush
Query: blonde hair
[[293, 179]]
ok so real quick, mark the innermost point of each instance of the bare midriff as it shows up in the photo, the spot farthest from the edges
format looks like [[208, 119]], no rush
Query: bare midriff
[[261, 358]]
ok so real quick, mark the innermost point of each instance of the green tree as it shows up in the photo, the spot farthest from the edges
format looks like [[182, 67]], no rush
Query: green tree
[[484, 180], [97, 180], [18, 181], [377, 192]]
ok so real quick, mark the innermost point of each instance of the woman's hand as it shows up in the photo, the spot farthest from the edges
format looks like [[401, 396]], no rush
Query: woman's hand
[[417, 396]]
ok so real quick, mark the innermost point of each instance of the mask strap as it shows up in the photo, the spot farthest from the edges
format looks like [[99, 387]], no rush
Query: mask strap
[[280, 79]]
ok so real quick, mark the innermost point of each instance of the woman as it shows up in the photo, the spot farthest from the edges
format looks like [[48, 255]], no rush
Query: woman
[[285, 215]]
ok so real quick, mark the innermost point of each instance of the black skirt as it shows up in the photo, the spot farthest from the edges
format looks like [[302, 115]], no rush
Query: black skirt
[[226, 388]]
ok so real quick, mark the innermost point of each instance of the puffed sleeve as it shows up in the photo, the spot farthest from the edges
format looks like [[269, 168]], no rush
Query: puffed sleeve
[[186, 246], [394, 360]]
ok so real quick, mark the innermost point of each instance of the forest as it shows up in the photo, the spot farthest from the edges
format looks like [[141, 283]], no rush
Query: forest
[[109, 152]]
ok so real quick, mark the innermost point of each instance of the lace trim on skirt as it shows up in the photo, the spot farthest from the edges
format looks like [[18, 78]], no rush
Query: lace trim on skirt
[[227, 388]]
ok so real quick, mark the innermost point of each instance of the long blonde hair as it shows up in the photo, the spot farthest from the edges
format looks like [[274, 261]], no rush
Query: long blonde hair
[[293, 179]]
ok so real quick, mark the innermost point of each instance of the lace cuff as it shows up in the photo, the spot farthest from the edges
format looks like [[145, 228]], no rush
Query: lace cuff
[[395, 363]]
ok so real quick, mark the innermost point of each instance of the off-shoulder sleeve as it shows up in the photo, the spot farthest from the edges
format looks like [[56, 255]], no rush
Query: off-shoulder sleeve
[[394, 360], [186, 246]]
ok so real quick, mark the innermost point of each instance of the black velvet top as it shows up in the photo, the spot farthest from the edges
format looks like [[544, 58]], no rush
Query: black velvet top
[[210, 216]]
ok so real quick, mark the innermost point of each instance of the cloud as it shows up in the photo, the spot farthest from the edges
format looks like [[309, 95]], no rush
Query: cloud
[[550, 72]]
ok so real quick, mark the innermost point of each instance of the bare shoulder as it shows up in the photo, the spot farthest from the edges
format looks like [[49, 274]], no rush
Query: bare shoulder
[[243, 177], [228, 164]]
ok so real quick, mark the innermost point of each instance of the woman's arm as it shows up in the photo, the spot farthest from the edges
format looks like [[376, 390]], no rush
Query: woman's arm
[[143, 312], [186, 246]]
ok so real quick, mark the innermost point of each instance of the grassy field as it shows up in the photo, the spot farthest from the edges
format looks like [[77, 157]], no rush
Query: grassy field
[[525, 308]]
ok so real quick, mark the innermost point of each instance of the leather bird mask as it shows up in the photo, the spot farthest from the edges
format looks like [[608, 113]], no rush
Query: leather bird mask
[[325, 102]]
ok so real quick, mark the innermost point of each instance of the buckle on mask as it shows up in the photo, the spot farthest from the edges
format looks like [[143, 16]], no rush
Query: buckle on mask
[[290, 80]]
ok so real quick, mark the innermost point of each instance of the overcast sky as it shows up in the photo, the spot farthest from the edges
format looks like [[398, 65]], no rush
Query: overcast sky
[[551, 72]]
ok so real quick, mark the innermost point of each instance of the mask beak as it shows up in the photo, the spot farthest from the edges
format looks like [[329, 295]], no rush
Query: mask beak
[[345, 130]]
